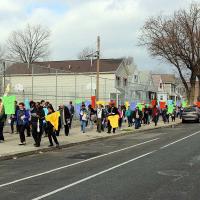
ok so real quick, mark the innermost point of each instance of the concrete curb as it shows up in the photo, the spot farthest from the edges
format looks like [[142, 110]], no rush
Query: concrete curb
[[48, 149]]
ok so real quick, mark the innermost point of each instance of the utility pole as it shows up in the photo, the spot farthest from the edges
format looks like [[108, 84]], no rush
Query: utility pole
[[98, 65]]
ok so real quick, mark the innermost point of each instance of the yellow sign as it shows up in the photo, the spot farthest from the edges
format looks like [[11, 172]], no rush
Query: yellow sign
[[114, 119], [127, 104], [101, 103], [53, 119]]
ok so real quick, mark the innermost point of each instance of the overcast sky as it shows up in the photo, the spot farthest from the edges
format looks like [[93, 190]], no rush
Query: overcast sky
[[75, 24]]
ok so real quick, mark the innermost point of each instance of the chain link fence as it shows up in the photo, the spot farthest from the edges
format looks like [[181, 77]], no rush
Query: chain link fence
[[59, 86]]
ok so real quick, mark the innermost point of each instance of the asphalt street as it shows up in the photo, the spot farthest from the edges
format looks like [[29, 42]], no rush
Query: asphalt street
[[161, 164]]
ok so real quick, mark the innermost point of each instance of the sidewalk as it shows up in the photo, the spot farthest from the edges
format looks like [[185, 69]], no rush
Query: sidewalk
[[11, 150]]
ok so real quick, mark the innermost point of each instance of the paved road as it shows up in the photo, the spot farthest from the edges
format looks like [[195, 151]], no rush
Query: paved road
[[162, 164]]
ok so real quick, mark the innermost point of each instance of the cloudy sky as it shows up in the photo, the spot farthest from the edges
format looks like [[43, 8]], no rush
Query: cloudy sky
[[75, 24]]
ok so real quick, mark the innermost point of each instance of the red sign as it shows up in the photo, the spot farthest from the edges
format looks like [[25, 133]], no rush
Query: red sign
[[93, 101], [162, 104], [153, 103]]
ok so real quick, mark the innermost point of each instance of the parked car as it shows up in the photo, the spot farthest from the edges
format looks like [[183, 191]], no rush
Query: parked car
[[191, 114]]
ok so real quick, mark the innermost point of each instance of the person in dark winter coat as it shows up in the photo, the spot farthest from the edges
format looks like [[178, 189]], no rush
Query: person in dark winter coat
[[100, 118], [155, 115], [37, 117], [2, 120], [65, 118], [112, 110], [137, 115], [23, 116], [50, 128], [72, 111]]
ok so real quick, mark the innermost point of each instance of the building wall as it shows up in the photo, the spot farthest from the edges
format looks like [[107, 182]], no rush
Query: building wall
[[69, 87]]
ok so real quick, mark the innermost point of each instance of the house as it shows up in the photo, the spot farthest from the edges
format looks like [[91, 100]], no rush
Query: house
[[168, 87], [61, 81], [141, 87]]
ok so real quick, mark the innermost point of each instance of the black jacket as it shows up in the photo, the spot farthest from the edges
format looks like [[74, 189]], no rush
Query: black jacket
[[139, 113], [67, 114], [37, 113], [113, 111]]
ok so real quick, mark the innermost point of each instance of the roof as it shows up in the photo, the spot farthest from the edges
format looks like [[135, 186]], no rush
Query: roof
[[67, 66], [168, 78]]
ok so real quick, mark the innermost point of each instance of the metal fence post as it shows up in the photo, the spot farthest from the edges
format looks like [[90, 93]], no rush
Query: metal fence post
[[32, 76], [56, 88]]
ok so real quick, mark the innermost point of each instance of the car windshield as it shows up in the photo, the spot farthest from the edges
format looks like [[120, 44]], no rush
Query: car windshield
[[191, 109]]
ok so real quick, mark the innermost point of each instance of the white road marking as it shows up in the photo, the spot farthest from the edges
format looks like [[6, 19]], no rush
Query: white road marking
[[180, 140], [92, 176], [76, 163]]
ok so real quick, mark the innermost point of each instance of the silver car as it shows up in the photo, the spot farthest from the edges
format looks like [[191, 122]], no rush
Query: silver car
[[191, 114]]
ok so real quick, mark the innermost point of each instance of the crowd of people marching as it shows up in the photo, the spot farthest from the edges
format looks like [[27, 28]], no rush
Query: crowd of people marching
[[33, 120]]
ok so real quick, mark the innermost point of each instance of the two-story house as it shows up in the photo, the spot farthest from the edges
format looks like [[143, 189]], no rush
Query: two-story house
[[168, 88]]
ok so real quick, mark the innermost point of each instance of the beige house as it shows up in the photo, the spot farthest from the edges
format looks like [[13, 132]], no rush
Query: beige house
[[61, 81], [168, 87]]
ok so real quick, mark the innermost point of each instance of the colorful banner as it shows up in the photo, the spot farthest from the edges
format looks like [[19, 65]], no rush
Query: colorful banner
[[114, 121], [170, 109], [198, 104], [93, 101], [169, 102], [178, 103], [9, 104], [45, 111], [184, 104], [127, 104], [78, 101], [153, 103], [140, 106], [87, 103], [101, 103], [27, 104], [53, 119], [133, 105], [162, 104]]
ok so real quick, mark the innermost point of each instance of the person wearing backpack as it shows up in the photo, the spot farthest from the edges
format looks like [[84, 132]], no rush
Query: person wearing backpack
[[22, 121]]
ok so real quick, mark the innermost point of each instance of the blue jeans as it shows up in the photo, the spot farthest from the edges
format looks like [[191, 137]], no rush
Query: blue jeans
[[83, 125], [137, 123]]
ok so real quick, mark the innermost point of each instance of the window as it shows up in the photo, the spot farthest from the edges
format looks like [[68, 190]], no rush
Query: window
[[118, 80], [173, 88], [160, 85], [135, 78], [125, 82]]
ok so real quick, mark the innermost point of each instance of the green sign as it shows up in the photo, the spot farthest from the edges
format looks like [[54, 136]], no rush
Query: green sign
[[9, 104]]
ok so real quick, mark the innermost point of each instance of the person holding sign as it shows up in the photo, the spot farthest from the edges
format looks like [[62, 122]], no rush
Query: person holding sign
[[52, 125], [113, 118], [2, 120]]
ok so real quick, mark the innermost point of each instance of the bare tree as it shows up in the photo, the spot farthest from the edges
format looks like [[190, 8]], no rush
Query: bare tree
[[86, 53], [2, 52], [176, 40], [30, 44]]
